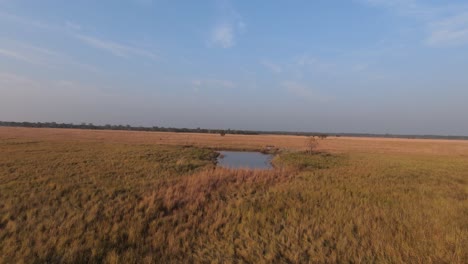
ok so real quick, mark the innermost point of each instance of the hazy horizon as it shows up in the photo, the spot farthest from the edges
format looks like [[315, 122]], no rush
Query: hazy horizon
[[357, 66]]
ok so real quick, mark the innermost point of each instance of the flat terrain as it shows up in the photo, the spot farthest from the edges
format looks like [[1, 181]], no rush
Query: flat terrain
[[142, 197], [246, 142]]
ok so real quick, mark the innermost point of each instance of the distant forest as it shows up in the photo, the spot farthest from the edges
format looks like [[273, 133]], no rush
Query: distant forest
[[212, 131]]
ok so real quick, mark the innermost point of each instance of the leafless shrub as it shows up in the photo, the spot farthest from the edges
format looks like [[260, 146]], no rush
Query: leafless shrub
[[311, 144]]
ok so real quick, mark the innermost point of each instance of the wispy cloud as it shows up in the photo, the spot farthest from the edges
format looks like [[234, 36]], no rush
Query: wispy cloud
[[304, 92], [117, 49], [403, 6], [73, 25], [228, 27], [276, 68], [8, 79], [314, 64], [26, 21], [144, 2], [37, 50], [301, 66], [212, 83], [15, 55], [446, 25], [451, 31], [412, 8], [223, 35], [36, 55], [74, 30], [17, 83]]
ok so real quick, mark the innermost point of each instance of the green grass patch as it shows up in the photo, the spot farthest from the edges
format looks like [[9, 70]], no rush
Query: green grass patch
[[307, 161]]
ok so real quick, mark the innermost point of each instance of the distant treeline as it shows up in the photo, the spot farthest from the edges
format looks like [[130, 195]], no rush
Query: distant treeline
[[213, 131], [125, 127]]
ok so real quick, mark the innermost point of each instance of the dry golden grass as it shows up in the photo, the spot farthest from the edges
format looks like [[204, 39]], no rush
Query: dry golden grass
[[246, 142], [72, 196]]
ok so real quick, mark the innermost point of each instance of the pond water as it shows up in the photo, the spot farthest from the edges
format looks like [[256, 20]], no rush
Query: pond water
[[241, 159]]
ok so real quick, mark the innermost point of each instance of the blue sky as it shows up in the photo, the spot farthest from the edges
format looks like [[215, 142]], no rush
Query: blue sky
[[372, 66]]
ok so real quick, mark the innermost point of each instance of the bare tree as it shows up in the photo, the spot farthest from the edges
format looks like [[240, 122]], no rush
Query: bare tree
[[311, 144]]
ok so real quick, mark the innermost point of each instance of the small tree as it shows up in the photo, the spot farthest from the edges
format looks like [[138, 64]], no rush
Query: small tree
[[323, 136], [311, 144]]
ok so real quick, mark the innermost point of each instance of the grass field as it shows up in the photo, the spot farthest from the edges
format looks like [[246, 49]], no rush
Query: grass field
[[140, 197]]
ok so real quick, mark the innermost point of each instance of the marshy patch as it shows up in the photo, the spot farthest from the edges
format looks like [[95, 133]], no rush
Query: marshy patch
[[307, 161]]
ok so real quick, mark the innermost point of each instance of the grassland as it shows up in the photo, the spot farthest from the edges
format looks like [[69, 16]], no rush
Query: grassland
[[135, 197]]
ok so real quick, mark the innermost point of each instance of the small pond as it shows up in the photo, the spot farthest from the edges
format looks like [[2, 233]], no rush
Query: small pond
[[241, 159]]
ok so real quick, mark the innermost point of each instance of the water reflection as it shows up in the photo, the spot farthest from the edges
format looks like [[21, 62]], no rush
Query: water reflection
[[240, 159]]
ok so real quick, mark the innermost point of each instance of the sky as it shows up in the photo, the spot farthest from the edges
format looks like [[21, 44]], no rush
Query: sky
[[361, 66]]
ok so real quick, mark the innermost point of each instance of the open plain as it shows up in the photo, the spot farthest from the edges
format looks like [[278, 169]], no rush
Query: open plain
[[69, 195]]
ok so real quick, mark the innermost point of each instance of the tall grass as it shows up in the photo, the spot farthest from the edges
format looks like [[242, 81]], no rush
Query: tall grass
[[68, 202], [244, 142]]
